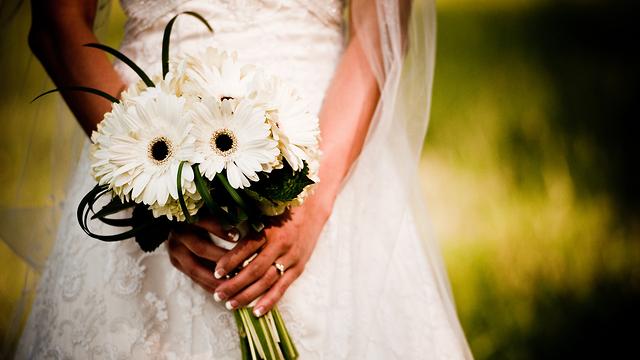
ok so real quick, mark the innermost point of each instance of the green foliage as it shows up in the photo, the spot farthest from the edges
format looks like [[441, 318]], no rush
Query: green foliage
[[149, 231], [153, 236], [225, 218], [282, 184]]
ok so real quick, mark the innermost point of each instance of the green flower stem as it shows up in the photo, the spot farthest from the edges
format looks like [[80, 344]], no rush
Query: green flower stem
[[264, 338], [245, 348], [183, 205]]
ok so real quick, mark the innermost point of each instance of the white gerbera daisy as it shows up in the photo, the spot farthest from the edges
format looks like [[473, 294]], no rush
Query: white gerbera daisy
[[237, 140], [138, 149], [296, 130], [213, 74]]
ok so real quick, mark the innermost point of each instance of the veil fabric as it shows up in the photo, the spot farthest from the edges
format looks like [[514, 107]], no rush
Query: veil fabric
[[400, 47], [399, 40], [40, 147]]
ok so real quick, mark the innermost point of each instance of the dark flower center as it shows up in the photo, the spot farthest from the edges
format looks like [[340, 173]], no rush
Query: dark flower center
[[159, 150], [224, 142]]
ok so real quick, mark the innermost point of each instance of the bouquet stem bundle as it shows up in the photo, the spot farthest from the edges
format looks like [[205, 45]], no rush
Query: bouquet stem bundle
[[266, 336]]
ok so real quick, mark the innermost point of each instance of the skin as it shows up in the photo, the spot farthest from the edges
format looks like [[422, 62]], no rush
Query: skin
[[60, 29], [58, 32]]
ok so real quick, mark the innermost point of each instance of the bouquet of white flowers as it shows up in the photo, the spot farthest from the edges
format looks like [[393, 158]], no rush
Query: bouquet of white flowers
[[210, 135]]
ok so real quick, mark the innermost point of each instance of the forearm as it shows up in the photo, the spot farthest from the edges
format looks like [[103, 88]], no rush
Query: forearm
[[59, 30], [345, 117]]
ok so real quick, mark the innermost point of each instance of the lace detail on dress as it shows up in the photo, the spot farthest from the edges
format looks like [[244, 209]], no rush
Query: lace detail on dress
[[145, 13], [84, 326], [144, 325]]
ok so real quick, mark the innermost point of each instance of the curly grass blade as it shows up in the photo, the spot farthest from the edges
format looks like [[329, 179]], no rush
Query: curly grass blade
[[115, 206], [183, 205], [86, 206], [79, 88], [124, 235], [167, 35], [117, 222], [87, 203], [125, 60]]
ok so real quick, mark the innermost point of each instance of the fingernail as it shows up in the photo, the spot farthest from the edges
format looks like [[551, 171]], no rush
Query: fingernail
[[233, 235], [219, 296], [219, 273], [232, 304], [259, 311]]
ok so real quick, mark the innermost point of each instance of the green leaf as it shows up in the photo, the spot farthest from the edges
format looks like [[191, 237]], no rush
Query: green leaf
[[125, 60], [185, 210], [226, 220], [257, 197], [167, 36], [282, 184], [79, 88], [251, 211], [155, 235]]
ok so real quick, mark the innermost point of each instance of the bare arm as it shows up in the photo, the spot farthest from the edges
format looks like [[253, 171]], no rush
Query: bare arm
[[59, 30]]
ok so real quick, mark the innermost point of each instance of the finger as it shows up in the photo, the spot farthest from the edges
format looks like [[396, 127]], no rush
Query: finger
[[200, 270], [253, 272], [196, 243], [204, 286], [273, 295], [253, 291], [209, 223], [236, 256]]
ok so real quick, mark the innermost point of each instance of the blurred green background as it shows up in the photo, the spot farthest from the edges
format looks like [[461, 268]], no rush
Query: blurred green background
[[530, 167]]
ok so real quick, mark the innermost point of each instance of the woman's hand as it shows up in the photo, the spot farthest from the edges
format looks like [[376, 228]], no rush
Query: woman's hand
[[191, 250], [288, 240]]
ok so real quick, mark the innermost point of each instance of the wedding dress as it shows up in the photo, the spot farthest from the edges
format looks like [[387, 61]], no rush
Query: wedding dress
[[371, 289]]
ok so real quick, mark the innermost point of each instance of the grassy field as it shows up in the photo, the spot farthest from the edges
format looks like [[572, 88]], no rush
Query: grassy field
[[530, 168]]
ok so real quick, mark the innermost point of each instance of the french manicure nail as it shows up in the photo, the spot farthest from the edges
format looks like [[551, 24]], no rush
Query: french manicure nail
[[219, 296], [219, 273], [259, 311], [233, 235], [232, 304]]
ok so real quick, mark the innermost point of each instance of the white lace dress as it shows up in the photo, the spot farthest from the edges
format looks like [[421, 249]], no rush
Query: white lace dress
[[102, 300]]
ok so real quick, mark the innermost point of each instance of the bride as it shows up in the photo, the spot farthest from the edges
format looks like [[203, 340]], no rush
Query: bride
[[363, 275]]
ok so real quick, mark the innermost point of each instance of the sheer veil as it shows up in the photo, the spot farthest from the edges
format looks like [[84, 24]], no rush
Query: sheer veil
[[39, 148], [400, 47], [399, 40]]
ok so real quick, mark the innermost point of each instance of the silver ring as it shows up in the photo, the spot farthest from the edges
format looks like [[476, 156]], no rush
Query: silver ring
[[280, 268]]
